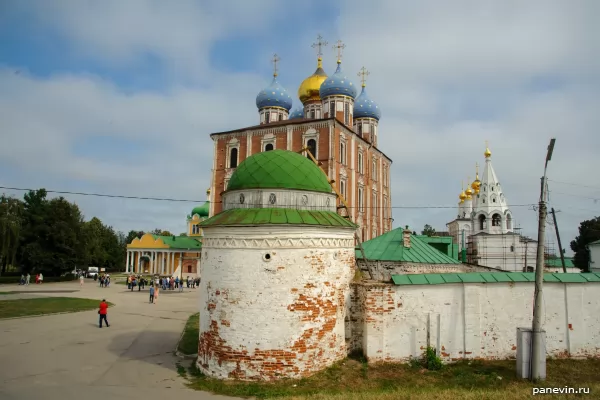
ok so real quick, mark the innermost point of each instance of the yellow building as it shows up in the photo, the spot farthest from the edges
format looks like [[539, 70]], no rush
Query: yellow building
[[169, 255]]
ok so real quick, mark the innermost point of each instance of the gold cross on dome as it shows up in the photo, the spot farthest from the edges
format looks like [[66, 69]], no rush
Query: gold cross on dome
[[477, 168], [275, 60], [363, 73], [339, 46], [319, 45]]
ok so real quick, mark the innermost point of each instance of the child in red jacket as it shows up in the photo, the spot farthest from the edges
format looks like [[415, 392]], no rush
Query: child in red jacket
[[103, 311]]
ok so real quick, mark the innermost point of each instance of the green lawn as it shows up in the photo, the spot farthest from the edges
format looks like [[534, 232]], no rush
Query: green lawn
[[45, 305], [189, 341]]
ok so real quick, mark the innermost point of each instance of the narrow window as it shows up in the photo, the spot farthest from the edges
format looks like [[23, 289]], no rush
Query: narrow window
[[233, 158], [346, 113], [267, 116], [312, 147], [332, 109], [269, 147]]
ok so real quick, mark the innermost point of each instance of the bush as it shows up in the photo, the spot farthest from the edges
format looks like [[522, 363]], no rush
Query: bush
[[47, 279]]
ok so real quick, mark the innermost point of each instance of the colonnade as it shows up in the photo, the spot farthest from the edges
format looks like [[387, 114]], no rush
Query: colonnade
[[162, 262]]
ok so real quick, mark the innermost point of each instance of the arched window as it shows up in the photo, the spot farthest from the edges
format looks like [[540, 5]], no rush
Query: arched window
[[482, 222], [269, 147], [508, 221], [332, 109], [312, 147], [496, 220], [189, 269], [281, 117], [267, 116], [233, 158], [346, 113]]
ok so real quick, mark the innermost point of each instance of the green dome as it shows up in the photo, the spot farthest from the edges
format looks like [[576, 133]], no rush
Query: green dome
[[202, 210], [279, 169]]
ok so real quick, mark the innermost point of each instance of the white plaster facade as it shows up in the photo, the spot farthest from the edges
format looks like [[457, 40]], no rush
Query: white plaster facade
[[393, 323], [594, 249], [507, 252], [273, 300], [383, 270], [279, 198]]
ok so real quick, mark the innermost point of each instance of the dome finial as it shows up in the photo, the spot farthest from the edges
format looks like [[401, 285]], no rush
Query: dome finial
[[487, 153], [462, 195], [476, 183], [340, 46], [469, 191], [208, 193], [363, 73], [275, 60]]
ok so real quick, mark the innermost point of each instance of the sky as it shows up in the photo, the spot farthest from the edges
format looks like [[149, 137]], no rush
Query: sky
[[120, 98]]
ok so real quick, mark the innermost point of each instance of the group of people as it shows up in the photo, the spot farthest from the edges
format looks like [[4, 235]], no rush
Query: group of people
[[104, 280], [39, 278], [164, 283]]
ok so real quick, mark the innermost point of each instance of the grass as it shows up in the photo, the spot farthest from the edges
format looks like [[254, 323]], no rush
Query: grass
[[189, 340], [5, 293], [45, 306], [354, 379]]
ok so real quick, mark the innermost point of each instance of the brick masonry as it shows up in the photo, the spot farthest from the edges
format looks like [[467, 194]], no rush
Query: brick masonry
[[264, 318], [383, 270]]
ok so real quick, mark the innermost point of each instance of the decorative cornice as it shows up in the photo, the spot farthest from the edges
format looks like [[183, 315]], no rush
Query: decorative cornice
[[298, 243]]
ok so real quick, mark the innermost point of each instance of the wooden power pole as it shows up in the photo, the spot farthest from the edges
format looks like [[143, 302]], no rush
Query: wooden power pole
[[562, 256]]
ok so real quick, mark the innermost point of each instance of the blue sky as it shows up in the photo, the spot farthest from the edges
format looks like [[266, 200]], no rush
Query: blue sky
[[120, 97]]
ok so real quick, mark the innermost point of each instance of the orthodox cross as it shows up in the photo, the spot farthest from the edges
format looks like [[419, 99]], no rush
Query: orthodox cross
[[363, 73], [320, 43], [275, 61], [477, 168], [339, 46]]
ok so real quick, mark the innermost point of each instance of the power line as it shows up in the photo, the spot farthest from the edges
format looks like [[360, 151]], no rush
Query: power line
[[574, 184], [575, 195], [199, 201]]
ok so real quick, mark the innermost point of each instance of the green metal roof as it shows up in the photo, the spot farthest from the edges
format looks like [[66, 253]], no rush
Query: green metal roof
[[390, 247], [279, 169], [202, 210], [490, 277], [180, 242], [277, 216], [556, 263]]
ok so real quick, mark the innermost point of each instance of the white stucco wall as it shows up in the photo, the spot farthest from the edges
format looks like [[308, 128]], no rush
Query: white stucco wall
[[595, 258], [276, 318], [475, 320]]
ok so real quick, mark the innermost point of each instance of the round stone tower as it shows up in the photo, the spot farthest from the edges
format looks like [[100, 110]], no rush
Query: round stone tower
[[276, 267]]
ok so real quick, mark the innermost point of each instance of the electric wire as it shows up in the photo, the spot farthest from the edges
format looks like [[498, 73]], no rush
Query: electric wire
[[219, 202]]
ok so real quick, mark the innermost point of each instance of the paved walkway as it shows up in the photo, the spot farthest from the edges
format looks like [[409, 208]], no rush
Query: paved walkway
[[67, 356]]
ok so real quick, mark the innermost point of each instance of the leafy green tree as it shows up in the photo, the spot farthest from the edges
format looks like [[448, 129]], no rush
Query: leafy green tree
[[428, 230], [11, 218], [589, 231], [34, 230], [160, 232], [132, 235]]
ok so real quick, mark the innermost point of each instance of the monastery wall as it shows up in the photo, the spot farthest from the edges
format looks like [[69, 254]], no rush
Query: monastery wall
[[472, 320], [273, 300], [383, 270]]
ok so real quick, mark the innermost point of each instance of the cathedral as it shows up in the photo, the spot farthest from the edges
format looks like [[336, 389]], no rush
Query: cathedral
[[484, 228], [336, 123]]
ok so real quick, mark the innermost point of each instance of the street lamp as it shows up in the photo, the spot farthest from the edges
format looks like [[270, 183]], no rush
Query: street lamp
[[536, 351]]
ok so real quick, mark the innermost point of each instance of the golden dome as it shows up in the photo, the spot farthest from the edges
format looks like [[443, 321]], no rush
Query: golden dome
[[462, 196], [309, 89], [487, 153], [469, 193]]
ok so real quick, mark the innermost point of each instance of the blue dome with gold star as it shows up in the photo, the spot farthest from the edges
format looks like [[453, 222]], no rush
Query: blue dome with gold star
[[337, 84], [298, 113], [364, 107], [274, 95]]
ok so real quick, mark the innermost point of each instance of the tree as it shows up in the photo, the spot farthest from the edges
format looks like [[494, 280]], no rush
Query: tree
[[34, 230], [160, 232], [11, 218], [589, 231], [428, 230], [132, 235]]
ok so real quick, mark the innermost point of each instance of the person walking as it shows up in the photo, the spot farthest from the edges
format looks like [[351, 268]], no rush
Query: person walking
[[81, 280], [152, 294], [103, 311], [27, 279]]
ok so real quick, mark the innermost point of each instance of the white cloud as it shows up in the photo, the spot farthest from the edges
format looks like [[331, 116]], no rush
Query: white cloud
[[448, 76]]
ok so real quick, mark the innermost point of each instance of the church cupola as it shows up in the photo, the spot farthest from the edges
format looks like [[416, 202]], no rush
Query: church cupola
[[308, 92], [273, 102], [298, 113], [366, 112], [338, 92]]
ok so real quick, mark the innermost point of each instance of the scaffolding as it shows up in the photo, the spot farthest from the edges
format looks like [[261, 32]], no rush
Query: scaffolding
[[342, 207]]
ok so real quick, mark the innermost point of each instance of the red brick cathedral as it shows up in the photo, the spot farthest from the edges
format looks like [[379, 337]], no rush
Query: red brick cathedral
[[337, 124]]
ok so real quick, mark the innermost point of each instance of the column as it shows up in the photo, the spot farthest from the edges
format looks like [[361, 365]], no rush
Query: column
[[127, 261], [198, 267], [171, 267], [180, 263]]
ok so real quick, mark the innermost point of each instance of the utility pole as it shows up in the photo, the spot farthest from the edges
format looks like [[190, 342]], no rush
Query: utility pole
[[536, 350], [562, 256]]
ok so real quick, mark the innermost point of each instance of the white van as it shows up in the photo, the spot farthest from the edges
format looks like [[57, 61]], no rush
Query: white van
[[92, 272]]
